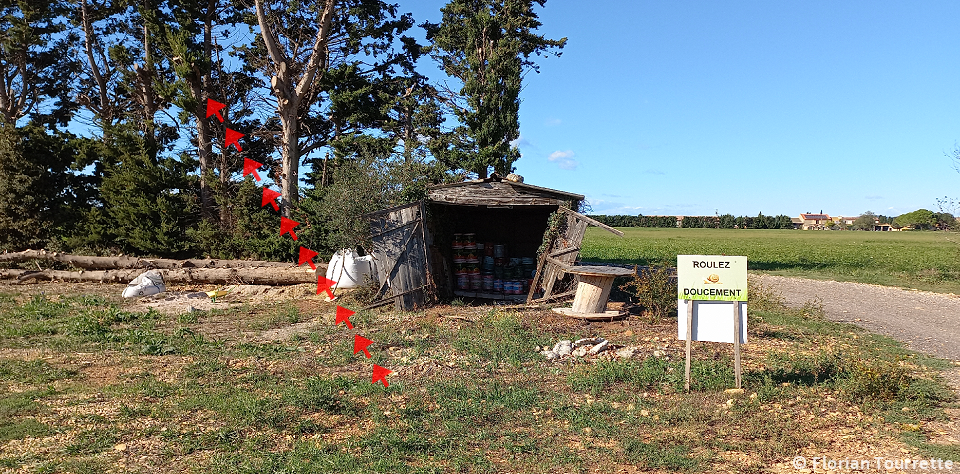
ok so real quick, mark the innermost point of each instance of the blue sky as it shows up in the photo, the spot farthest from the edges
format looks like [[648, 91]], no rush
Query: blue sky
[[780, 107]]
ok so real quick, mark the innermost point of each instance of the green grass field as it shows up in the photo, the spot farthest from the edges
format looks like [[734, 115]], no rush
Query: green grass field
[[922, 260]]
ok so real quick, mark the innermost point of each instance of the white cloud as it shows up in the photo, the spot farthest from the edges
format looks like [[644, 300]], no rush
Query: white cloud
[[553, 122], [564, 159], [521, 141]]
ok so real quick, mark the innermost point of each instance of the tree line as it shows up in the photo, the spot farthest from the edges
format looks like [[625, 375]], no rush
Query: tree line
[[725, 221], [105, 145], [921, 219]]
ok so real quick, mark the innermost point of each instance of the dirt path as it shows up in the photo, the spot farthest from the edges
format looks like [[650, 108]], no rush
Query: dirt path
[[925, 322]]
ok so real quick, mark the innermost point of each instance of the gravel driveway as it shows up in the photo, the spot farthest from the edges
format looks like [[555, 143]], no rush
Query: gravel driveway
[[925, 322]]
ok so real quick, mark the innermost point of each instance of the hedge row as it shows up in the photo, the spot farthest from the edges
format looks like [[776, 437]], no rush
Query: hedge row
[[726, 221]]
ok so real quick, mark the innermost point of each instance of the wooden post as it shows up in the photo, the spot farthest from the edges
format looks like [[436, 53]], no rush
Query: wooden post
[[736, 340], [690, 304]]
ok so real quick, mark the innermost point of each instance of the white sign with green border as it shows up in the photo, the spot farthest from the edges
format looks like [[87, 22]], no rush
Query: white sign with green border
[[712, 303], [711, 278], [716, 283]]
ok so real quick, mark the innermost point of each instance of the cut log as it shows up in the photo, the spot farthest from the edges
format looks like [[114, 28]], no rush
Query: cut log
[[291, 275], [110, 263]]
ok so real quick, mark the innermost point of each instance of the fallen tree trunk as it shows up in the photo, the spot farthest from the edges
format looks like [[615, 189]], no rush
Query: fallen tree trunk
[[110, 263], [291, 275]]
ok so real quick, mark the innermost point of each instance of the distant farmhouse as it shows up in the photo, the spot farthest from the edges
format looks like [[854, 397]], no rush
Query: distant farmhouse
[[822, 221], [813, 221]]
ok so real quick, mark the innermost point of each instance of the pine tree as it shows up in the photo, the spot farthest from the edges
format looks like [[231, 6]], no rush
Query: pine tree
[[36, 63], [148, 202], [487, 45], [41, 192]]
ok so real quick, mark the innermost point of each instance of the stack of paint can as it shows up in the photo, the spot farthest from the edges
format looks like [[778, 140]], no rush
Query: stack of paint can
[[472, 259], [498, 258], [528, 270], [460, 263]]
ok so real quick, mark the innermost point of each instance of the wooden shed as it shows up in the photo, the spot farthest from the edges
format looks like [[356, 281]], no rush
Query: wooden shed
[[422, 253]]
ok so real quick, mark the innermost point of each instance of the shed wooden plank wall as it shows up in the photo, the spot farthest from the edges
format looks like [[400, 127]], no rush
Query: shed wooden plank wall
[[400, 250]]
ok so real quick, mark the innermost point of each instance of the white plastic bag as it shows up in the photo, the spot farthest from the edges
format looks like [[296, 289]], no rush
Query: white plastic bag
[[148, 283]]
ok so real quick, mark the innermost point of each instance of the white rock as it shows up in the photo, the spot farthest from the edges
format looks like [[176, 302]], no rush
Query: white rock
[[627, 352], [563, 348], [580, 351], [659, 353], [550, 355], [588, 341], [599, 348]]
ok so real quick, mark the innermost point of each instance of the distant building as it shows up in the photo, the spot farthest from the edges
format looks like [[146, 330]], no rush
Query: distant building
[[814, 221]]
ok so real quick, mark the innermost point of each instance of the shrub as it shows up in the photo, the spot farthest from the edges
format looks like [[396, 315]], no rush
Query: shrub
[[655, 290]]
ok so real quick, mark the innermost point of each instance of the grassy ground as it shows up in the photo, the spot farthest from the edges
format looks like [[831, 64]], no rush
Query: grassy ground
[[88, 387], [923, 260]]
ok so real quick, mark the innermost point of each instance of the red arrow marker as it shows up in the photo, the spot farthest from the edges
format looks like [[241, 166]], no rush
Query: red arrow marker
[[380, 373], [270, 197], [306, 255], [250, 166], [233, 138], [360, 343], [287, 225], [343, 315], [324, 284], [213, 108]]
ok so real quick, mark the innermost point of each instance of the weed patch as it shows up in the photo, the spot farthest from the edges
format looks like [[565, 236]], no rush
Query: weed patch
[[499, 338], [656, 456]]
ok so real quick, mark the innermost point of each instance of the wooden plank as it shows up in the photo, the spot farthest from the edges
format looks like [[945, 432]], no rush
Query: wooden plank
[[536, 277], [736, 340], [570, 238], [559, 263], [686, 372], [109, 263], [592, 221], [494, 201], [599, 270], [564, 251], [395, 229], [488, 296], [503, 186], [565, 294]]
